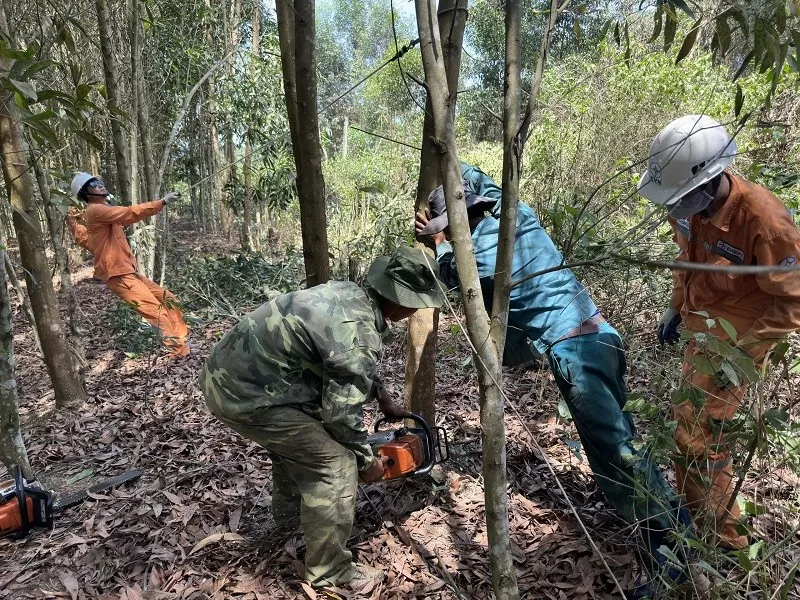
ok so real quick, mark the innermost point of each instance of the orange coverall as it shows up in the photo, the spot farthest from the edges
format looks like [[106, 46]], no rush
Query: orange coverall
[[752, 228], [115, 265]]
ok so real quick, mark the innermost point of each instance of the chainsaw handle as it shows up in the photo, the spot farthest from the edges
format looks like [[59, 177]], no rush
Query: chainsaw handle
[[430, 454], [414, 417]]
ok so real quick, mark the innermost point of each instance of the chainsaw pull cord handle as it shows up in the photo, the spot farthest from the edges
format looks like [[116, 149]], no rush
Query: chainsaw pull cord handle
[[430, 454]]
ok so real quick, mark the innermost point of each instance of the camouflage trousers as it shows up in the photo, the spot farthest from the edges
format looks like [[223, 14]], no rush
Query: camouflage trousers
[[313, 477]]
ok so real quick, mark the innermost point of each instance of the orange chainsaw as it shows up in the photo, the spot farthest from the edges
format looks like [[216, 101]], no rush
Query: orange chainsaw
[[410, 450], [23, 506]]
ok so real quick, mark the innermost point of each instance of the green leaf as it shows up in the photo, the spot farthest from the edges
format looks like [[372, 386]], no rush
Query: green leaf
[[658, 23], [90, 137], [711, 323], [724, 323], [24, 88], [789, 582], [455, 329], [670, 27], [755, 510], [627, 43], [32, 223], [688, 42], [563, 410], [606, 27], [82, 475], [780, 17], [779, 352], [701, 313], [14, 54], [730, 373], [723, 35], [737, 107], [776, 418], [669, 555], [745, 63], [738, 16], [744, 560], [683, 6], [40, 116], [617, 39]]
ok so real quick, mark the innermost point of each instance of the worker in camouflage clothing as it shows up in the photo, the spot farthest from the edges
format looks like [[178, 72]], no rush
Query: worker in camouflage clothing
[[294, 375]]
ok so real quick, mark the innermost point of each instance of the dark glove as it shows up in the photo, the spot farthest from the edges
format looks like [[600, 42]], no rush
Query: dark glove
[[668, 327]]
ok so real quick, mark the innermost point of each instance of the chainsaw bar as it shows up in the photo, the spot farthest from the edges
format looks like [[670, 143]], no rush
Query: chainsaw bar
[[78, 497]]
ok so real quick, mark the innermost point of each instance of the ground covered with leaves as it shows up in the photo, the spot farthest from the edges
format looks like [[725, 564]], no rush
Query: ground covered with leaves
[[197, 524]]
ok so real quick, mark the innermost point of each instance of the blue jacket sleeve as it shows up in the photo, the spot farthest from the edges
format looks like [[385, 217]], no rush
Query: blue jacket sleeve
[[447, 265]]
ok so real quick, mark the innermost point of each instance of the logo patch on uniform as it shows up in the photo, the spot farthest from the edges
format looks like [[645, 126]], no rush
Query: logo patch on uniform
[[655, 172], [683, 228], [789, 261], [732, 253]]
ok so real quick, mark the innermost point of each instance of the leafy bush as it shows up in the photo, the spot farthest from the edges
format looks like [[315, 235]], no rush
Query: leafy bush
[[231, 285], [130, 332]]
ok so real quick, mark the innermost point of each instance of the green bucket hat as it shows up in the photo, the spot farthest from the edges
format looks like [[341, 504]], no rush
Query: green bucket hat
[[406, 279]]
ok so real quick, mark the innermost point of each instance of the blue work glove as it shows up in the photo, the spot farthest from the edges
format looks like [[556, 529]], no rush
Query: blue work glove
[[170, 197], [668, 327]]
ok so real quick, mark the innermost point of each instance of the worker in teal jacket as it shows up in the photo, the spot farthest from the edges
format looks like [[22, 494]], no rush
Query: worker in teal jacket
[[555, 312]]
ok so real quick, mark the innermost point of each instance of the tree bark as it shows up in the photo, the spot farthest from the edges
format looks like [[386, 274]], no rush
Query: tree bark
[[112, 94], [12, 446], [306, 144], [286, 40], [22, 297], [63, 371], [420, 373], [56, 224], [487, 355], [247, 213], [512, 150]]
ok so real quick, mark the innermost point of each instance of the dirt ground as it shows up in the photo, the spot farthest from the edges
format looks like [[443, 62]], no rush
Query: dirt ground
[[197, 525]]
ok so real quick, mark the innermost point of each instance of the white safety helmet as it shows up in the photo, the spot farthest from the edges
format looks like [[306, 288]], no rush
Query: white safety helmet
[[687, 153], [80, 180]]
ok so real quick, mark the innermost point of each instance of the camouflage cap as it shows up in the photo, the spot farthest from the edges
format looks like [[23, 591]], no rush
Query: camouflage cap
[[408, 278]]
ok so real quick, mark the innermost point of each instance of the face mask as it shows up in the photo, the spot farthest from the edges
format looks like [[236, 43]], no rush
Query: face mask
[[692, 203], [94, 185]]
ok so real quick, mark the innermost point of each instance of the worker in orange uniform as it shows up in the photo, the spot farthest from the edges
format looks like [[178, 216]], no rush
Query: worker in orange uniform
[[100, 230], [719, 219]]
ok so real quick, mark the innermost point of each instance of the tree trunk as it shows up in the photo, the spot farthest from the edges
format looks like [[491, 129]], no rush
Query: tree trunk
[[22, 297], [56, 225], [12, 447], [487, 355], [419, 393], [345, 135], [112, 94], [511, 167], [305, 142], [286, 40], [64, 373], [247, 213]]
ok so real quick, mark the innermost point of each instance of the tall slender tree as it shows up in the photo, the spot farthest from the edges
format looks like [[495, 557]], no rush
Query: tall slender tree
[[487, 354], [12, 446], [420, 374], [297, 32], [61, 365]]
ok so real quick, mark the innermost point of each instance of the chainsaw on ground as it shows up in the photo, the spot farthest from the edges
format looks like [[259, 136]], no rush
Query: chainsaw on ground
[[24, 506], [410, 450]]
